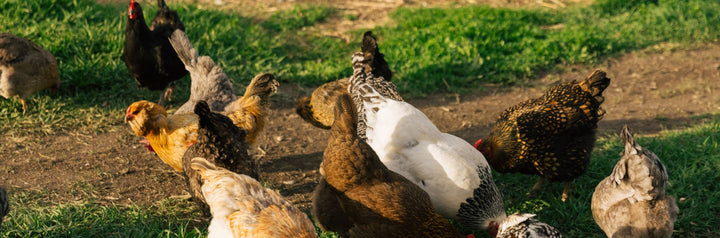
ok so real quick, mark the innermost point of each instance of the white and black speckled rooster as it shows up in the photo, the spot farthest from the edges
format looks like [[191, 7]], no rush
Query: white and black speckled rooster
[[455, 175]]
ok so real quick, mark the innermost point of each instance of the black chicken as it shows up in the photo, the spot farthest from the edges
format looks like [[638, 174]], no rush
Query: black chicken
[[4, 204], [220, 142], [551, 136], [148, 55]]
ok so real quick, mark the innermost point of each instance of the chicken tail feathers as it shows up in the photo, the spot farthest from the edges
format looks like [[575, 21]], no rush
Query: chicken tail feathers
[[161, 3], [263, 85], [595, 84], [371, 50], [304, 109], [185, 50], [485, 206]]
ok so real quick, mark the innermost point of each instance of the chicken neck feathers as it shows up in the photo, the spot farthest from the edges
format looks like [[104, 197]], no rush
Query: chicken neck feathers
[[523, 225]]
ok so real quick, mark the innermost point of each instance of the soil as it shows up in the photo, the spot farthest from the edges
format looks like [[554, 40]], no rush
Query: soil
[[656, 89]]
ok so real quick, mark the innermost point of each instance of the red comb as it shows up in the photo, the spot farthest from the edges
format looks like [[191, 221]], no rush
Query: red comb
[[128, 111], [477, 143], [470, 236]]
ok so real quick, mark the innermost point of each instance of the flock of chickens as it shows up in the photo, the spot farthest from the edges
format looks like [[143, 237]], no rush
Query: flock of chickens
[[387, 170]]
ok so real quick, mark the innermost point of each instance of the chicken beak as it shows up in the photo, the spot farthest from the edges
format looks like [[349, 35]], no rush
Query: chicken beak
[[129, 118]]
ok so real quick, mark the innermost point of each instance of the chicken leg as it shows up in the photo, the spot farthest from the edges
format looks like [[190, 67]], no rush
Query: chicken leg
[[566, 192], [24, 105], [535, 190], [167, 93]]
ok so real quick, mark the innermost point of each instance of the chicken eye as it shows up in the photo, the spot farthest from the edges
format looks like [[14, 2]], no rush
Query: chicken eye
[[136, 111]]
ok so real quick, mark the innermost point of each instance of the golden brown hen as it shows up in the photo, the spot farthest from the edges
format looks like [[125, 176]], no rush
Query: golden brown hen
[[318, 109], [25, 68], [170, 136], [359, 197], [551, 136]]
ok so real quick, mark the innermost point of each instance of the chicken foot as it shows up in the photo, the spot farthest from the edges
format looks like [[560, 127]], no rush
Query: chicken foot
[[566, 192]]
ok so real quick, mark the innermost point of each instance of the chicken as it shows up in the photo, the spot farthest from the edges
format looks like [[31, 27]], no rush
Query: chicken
[[4, 205], [523, 225], [551, 136], [170, 136], [359, 197], [241, 207], [208, 81], [455, 175], [318, 108], [25, 68], [220, 142], [147, 53], [631, 202]]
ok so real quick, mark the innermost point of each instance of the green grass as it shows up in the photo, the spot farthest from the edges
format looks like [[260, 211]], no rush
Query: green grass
[[690, 156]]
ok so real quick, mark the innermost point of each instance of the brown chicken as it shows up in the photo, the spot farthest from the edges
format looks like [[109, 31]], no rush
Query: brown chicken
[[631, 202], [241, 207], [318, 109], [220, 142], [551, 136], [170, 136], [359, 197], [147, 53], [25, 68]]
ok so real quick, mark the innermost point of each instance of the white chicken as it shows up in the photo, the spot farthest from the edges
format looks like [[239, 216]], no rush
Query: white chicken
[[455, 175], [241, 207]]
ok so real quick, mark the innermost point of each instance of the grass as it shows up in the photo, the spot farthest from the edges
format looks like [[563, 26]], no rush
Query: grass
[[430, 49], [690, 156]]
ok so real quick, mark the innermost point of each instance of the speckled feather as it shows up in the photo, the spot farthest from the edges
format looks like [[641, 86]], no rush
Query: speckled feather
[[523, 225], [553, 135], [370, 67], [220, 142]]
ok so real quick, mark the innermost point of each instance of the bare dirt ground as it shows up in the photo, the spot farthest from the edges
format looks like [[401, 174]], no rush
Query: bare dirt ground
[[651, 90]]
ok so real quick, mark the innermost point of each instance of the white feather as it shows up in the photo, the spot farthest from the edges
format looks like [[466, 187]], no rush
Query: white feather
[[408, 143]]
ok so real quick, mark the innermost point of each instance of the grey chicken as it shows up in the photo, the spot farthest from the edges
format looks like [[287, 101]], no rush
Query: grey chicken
[[208, 81], [631, 202], [25, 68]]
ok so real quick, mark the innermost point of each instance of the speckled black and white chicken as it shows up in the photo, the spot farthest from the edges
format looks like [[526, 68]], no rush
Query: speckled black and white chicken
[[551, 136], [4, 205], [455, 175], [523, 225], [631, 202]]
